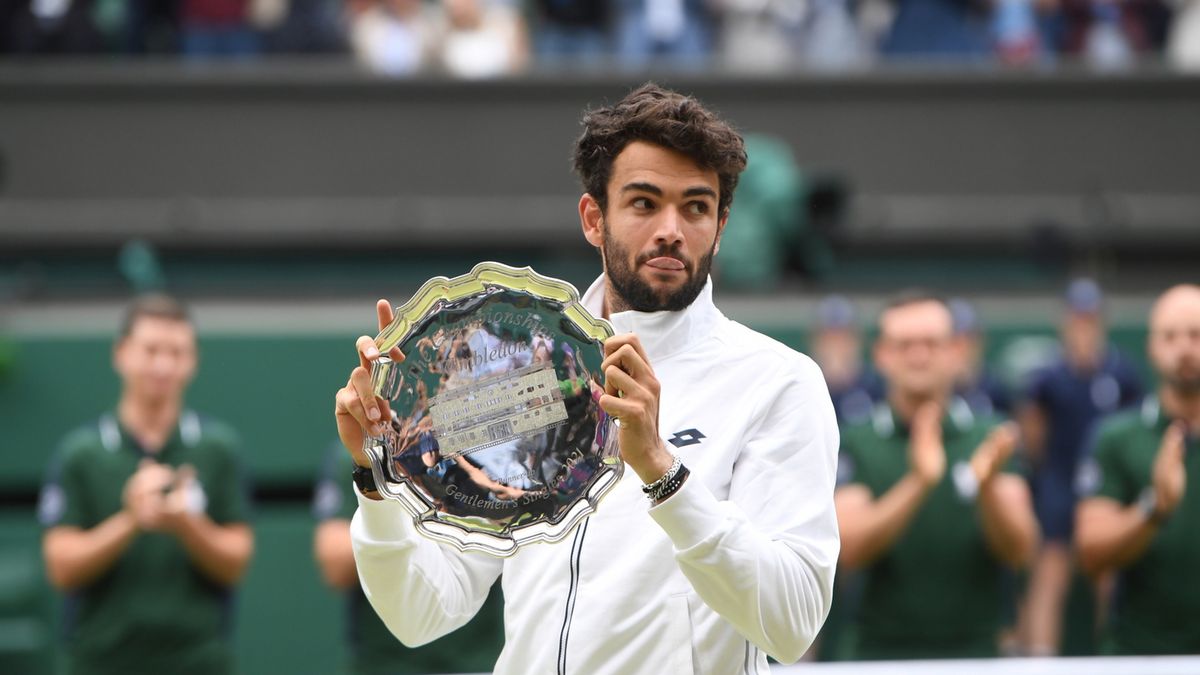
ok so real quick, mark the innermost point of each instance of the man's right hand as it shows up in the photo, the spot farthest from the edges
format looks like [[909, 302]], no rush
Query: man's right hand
[[145, 493], [356, 407], [926, 454], [1169, 475]]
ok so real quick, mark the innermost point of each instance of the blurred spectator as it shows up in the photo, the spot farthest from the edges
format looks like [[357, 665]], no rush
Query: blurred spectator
[[149, 26], [49, 27], [217, 28], [1112, 33], [1017, 31], [831, 39], [757, 35], [306, 27], [656, 33], [837, 348], [392, 37], [939, 30], [1143, 510], [926, 503], [1183, 46], [1090, 379], [481, 38], [975, 384], [146, 516], [572, 32], [372, 649]]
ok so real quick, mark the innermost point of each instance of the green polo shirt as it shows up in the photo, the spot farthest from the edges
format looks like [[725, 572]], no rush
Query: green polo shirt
[[937, 592], [153, 611], [1157, 602], [373, 650]]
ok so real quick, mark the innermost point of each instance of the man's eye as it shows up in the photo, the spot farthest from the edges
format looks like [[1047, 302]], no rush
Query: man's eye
[[698, 208], [641, 203]]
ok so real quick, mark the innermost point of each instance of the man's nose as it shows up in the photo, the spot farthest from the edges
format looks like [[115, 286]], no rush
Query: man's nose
[[669, 227]]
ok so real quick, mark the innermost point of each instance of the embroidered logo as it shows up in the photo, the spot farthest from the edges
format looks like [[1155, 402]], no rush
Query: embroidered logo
[[686, 437]]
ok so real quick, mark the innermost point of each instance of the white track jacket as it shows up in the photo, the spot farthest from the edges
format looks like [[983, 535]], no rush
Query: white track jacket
[[737, 564]]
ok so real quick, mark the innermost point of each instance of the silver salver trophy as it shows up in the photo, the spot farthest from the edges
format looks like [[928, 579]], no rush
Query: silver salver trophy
[[497, 438]]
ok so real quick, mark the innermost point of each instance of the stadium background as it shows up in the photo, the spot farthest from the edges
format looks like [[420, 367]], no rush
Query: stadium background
[[281, 197]]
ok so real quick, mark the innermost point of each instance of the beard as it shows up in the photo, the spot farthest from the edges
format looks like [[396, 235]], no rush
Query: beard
[[639, 295], [1184, 378]]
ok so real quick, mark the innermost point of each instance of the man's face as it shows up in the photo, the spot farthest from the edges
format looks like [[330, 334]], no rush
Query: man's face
[[1174, 344], [1083, 338], [661, 228], [157, 360], [837, 352], [968, 352], [916, 349]]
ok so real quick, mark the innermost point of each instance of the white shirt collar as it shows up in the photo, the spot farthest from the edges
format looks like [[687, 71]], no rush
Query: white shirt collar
[[662, 334]]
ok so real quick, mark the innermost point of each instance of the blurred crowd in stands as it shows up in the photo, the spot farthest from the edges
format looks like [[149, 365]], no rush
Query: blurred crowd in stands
[[488, 38]]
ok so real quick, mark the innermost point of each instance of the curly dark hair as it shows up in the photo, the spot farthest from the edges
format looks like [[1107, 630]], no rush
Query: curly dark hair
[[666, 118]]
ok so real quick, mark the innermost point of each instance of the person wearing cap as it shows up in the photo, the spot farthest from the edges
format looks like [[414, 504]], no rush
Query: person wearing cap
[[1142, 509], [976, 384], [146, 515], [837, 349], [1088, 380], [927, 504]]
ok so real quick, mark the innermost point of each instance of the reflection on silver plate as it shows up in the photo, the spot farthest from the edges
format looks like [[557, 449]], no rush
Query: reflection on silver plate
[[497, 438]]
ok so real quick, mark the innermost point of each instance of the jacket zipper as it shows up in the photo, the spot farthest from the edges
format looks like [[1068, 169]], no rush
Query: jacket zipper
[[564, 634]]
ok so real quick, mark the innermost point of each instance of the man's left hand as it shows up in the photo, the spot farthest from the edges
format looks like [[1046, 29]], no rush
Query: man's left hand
[[631, 395], [180, 503], [994, 452]]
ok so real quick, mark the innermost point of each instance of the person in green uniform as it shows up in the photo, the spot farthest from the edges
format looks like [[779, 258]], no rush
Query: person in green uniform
[[146, 516], [1143, 512], [372, 649], [926, 506]]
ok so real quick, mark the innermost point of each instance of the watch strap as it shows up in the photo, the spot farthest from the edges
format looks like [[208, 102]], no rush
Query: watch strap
[[364, 480]]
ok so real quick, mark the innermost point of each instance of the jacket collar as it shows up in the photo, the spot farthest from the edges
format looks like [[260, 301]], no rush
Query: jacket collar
[[662, 334], [958, 419]]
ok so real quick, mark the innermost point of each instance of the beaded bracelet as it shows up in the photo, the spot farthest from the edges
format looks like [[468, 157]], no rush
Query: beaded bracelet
[[671, 487], [669, 483], [650, 488]]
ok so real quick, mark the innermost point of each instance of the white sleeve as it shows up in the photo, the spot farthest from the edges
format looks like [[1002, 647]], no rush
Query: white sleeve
[[765, 559], [420, 588]]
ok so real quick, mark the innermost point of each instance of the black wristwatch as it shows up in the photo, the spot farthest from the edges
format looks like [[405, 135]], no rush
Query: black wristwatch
[[364, 480]]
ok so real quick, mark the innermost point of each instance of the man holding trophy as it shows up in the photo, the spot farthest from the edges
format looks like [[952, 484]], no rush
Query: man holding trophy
[[715, 550]]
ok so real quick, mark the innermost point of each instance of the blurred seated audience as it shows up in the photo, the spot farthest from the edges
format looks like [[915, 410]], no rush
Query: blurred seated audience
[[487, 38]]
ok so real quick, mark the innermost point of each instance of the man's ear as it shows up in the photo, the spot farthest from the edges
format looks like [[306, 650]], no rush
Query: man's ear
[[720, 231], [591, 218]]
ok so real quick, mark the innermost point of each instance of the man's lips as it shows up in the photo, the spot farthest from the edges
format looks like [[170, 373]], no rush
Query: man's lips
[[666, 263]]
